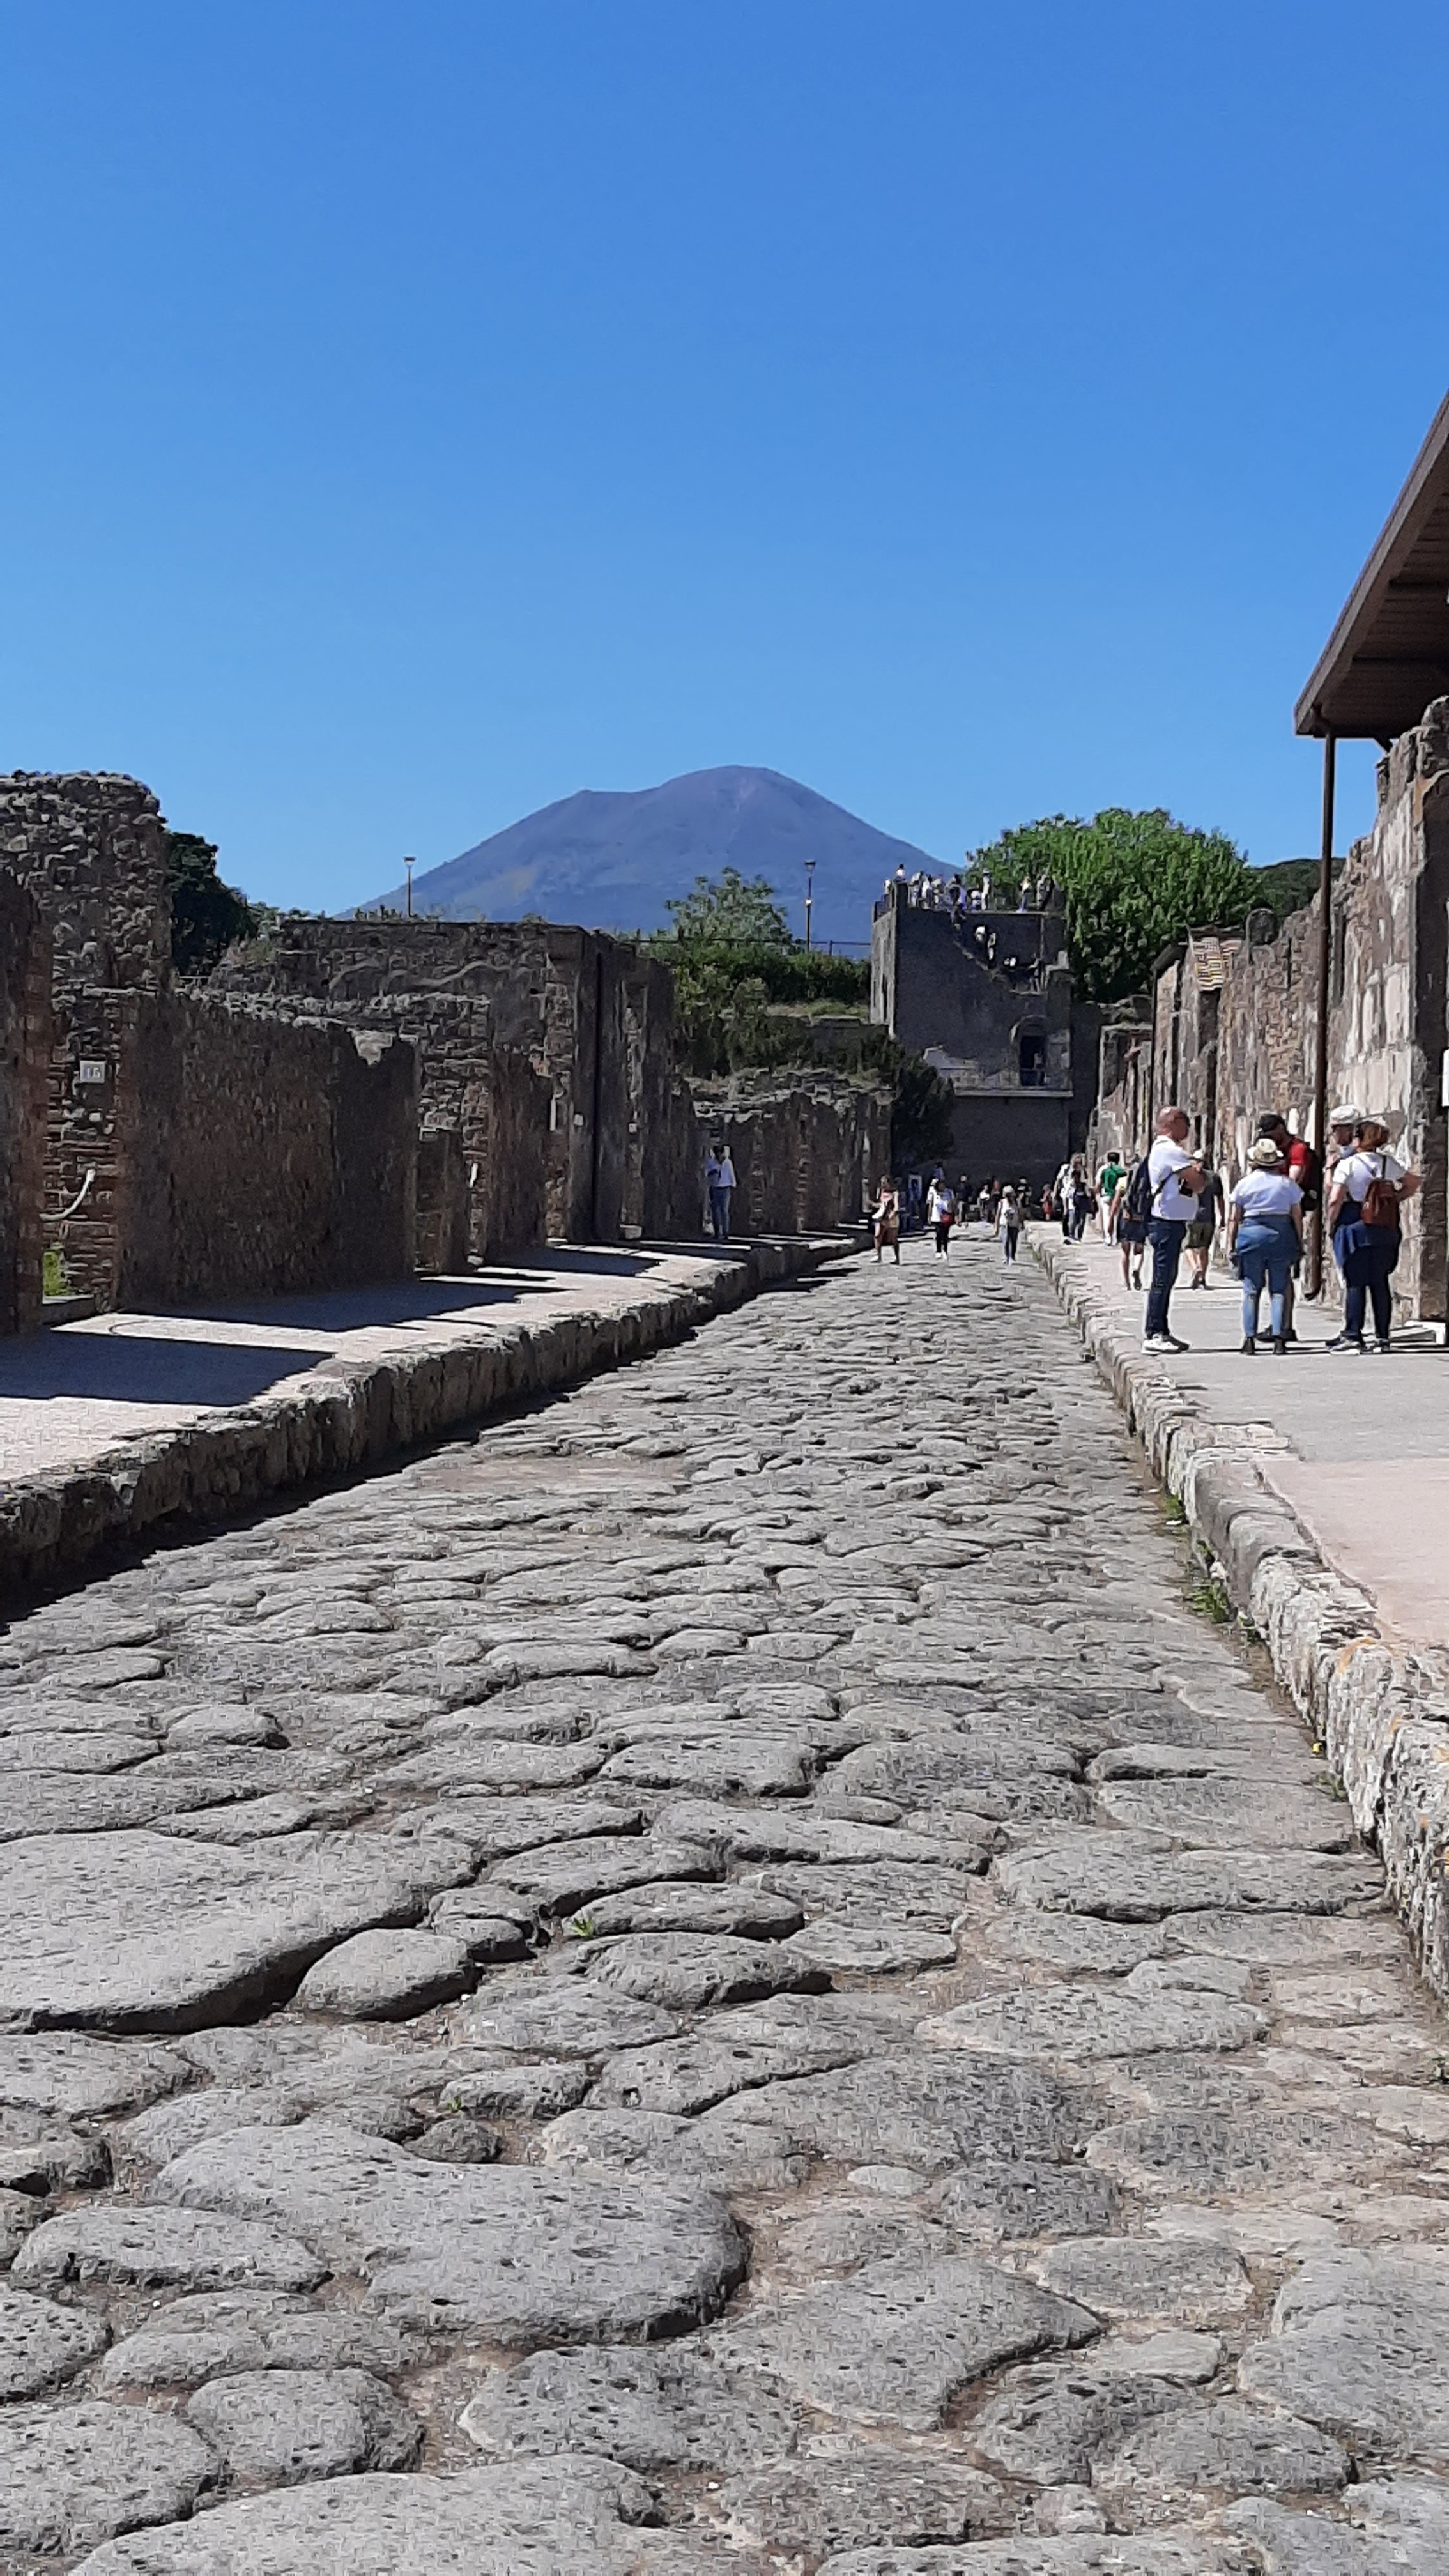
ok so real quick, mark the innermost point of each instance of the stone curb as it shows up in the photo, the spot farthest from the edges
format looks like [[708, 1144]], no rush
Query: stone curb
[[1381, 1714], [352, 1416]]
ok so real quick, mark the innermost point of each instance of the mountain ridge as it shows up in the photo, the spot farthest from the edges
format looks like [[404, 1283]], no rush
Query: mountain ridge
[[611, 858]]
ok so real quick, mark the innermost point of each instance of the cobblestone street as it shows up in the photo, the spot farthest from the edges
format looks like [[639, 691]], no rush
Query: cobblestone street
[[729, 1980]]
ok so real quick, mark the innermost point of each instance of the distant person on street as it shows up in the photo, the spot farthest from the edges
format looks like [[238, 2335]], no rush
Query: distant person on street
[[1198, 1240], [1062, 1199], [1265, 1239], [1108, 1176], [1008, 1222], [1343, 1126], [1367, 1195], [1129, 1232], [719, 1172], [1174, 1181], [885, 1219], [1080, 1196], [941, 1212]]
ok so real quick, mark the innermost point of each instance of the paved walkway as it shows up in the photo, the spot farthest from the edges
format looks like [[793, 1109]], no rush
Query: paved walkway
[[721, 1979], [1366, 1468], [68, 1395]]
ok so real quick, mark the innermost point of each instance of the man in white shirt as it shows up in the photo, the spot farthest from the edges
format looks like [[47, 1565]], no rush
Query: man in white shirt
[[1177, 1182]]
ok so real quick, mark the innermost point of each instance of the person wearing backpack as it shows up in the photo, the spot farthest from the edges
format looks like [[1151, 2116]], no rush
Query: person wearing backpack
[[1128, 1230], [1175, 1182], [1368, 1192]]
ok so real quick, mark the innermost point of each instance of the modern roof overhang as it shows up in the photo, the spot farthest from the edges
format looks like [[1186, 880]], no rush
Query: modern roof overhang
[[1388, 656]]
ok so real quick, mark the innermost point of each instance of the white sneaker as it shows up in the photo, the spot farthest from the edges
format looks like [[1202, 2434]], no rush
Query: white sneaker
[[1164, 1343]]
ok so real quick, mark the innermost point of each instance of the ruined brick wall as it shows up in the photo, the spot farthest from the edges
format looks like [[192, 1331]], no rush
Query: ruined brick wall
[[91, 849], [24, 1072], [807, 1147], [1122, 1120], [541, 1043], [261, 1157]]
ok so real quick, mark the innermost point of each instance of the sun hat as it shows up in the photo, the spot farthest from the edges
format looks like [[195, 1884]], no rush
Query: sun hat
[[1264, 1154], [1348, 1116]]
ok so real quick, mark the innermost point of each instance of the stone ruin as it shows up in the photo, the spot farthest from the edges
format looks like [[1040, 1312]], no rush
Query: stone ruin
[[345, 1101]]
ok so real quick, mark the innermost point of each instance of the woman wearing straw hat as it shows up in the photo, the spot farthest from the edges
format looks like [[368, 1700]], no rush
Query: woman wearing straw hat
[[1265, 1239]]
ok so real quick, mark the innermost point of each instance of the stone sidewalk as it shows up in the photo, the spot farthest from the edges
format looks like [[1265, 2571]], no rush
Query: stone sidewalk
[[111, 1425], [1320, 1485]]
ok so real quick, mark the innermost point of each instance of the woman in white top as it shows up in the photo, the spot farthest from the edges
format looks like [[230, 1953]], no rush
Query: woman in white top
[[1265, 1238], [941, 1213], [1368, 1189]]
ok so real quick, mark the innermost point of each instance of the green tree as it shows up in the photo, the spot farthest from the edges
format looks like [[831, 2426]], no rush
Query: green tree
[[1132, 884], [921, 1103], [206, 916], [733, 909]]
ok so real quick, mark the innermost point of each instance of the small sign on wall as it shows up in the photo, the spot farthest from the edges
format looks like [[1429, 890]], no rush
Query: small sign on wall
[[92, 1068]]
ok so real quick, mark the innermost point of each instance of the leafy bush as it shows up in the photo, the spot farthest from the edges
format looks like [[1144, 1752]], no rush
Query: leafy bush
[[1132, 883]]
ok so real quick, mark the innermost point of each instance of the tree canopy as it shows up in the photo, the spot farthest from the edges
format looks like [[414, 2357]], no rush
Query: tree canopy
[[1132, 884], [206, 916], [730, 908]]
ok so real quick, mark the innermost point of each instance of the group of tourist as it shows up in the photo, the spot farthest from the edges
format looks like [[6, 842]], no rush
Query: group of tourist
[[1172, 1202], [929, 893], [1003, 1205]]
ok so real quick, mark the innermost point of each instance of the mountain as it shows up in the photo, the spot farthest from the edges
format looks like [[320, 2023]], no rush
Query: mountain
[[611, 861]]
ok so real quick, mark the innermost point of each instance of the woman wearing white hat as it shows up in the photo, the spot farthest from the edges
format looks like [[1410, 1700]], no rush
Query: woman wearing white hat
[[1265, 1239]]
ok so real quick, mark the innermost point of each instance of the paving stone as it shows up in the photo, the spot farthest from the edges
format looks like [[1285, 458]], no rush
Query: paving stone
[[561, 2016], [160, 2248], [277, 2428], [990, 2202], [212, 2336], [1202, 2455], [458, 2140], [537, 2518], [76, 2077], [685, 1971], [1085, 2021], [895, 2342], [73, 2476], [1231, 1814], [511, 2091], [1135, 1878], [565, 1878], [1206, 2154], [526, 2257], [651, 2409], [19, 2213], [135, 1932], [41, 2344], [387, 1976], [744, 2049], [847, 2501], [1072, 1941], [745, 1912], [717, 2152], [1050, 2424], [1360, 2344], [1397, 2527], [1193, 2282]]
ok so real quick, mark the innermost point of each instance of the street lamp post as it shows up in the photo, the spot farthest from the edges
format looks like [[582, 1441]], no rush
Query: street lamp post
[[410, 864], [809, 895]]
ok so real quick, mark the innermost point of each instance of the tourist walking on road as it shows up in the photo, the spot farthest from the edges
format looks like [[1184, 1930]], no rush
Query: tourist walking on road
[[1304, 1167], [1174, 1181], [719, 1173], [1265, 1239], [1108, 1176], [885, 1218], [1008, 1222], [941, 1212], [1369, 1189]]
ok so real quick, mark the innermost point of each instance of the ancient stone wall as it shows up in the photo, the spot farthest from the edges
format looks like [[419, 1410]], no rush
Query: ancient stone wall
[[807, 1147], [92, 851], [24, 1069], [519, 1026], [1122, 1121], [260, 1157]]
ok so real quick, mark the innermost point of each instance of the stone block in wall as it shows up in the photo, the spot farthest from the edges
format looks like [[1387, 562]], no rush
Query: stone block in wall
[[24, 1074], [807, 1146]]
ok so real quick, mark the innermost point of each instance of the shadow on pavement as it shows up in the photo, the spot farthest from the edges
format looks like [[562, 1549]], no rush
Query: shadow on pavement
[[140, 1368]]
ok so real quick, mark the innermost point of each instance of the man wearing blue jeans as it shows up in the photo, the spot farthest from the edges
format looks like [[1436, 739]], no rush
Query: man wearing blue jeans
[[1177, 1182]]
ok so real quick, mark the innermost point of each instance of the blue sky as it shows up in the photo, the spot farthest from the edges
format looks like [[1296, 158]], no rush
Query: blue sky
[[412, 413]]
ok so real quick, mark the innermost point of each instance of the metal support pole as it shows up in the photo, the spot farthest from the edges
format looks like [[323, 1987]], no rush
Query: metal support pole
[[1314, 1283], [410, 864], [809, 896]]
